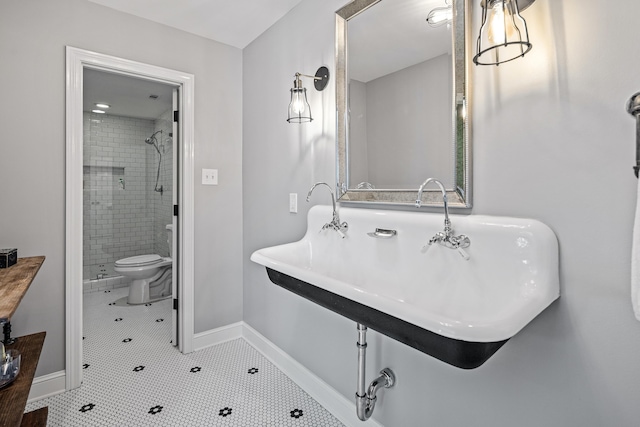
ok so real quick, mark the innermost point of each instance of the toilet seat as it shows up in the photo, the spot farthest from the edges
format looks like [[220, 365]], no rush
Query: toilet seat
[[139, 261]]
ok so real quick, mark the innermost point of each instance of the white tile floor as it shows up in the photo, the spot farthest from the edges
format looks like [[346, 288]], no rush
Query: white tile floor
[[133, 376]]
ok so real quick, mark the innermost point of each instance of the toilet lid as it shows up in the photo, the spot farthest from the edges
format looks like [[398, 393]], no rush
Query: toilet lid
[[139, 260]]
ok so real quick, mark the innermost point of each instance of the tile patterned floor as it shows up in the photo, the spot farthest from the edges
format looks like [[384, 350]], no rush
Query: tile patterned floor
[[133, 376]]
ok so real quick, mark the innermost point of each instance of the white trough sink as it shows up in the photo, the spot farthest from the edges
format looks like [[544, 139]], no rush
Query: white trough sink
[[460, 311]]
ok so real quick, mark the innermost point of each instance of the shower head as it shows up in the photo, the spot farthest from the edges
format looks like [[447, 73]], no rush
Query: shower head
[[152, 139]]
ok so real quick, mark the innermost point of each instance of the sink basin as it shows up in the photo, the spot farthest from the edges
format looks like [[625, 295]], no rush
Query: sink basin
[[459, 311]]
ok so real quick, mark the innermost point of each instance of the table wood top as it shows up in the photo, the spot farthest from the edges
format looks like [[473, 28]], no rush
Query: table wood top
[[14, 282]]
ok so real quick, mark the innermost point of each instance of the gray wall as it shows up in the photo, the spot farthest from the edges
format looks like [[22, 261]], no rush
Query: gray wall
[[552, 141], [33, 36]]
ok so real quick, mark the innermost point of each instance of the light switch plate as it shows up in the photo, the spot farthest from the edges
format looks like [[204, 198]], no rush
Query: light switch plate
[[210, 176], [293, 202]]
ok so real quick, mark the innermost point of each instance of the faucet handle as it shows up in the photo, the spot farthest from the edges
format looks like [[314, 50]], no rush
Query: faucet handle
[[463, 253], [438, 238], [336, 227], [426, 248], [461, 241], [340, 227]]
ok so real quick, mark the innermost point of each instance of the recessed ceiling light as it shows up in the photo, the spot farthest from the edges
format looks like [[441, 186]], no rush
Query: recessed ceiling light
[[102, 105], [97, 111]]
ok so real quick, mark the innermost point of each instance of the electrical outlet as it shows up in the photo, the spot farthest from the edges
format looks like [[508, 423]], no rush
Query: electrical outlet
[[209, 176], [293, 202]]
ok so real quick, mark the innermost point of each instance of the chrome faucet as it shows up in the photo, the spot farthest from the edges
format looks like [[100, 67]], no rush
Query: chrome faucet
[[445, 238], [335, 223]]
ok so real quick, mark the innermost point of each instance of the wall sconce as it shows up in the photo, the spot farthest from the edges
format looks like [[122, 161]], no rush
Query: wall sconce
[[503, 34], [440, 15], [299, 109]]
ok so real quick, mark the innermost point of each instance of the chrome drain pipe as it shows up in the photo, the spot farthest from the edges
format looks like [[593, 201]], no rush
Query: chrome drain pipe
[[366, 399]]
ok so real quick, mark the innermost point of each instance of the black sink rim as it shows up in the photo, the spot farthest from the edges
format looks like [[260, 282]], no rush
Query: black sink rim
[[458, 353]]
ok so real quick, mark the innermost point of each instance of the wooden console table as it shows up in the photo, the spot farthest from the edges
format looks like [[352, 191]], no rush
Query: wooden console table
[[14, 283]]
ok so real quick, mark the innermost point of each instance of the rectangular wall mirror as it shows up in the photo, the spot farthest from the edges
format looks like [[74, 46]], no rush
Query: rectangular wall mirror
[[402, 102]]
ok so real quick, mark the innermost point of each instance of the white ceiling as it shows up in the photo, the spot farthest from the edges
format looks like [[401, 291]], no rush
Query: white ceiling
[[233, 22], [398, 32], [127, 96]]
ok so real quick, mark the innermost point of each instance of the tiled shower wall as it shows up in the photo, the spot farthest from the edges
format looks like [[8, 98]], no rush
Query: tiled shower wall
[[119, 202]]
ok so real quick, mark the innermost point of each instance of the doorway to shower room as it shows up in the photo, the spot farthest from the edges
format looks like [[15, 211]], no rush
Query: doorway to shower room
[[128, 184]]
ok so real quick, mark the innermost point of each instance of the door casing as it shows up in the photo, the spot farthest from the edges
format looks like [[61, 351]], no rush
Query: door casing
[[76, 61]]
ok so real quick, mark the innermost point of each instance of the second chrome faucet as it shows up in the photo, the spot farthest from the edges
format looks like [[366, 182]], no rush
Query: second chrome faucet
[[445, 238], [335, 223]]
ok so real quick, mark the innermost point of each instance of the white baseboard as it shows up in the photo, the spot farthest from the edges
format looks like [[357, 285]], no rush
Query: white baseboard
[[47, 386], [217, 336], [339, 406]]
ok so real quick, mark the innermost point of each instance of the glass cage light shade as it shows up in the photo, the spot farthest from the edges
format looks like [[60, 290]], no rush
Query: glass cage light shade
[[503, 35], [440, 15], [299, 108]]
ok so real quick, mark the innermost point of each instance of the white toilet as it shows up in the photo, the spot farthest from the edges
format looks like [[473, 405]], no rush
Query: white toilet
[[151, 275]]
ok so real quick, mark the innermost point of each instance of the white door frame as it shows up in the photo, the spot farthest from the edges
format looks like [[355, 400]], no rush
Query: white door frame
[[76, 61]]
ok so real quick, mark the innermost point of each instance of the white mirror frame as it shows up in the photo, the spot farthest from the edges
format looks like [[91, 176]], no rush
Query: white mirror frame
[[460, 195]]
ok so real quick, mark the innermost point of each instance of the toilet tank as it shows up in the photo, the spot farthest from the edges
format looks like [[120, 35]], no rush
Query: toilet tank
[[170, 238]]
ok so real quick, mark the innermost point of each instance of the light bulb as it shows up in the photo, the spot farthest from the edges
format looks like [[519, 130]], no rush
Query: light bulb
[[502, 25], [297, 104], [497, 32]]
